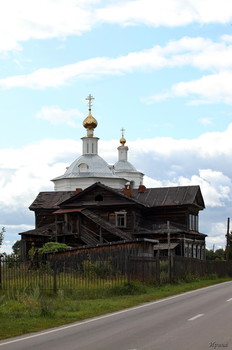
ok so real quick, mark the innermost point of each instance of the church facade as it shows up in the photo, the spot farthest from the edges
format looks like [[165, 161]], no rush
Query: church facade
[[95, 204]]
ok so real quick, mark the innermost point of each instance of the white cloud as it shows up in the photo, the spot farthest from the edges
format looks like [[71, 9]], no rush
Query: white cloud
[[24, 20], [42, 19], [196, 52], [213, 88], [209, 89], [206, 146], [56, 115], [167, 12]]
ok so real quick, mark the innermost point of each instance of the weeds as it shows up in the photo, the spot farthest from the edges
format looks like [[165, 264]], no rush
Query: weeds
[[129, 288], [46, 308]]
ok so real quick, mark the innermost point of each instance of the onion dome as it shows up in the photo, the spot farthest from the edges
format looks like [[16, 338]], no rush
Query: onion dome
[[90, 123], [122, 139]]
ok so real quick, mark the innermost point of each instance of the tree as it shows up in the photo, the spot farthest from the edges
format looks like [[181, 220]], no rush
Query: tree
[[17, 248], [218, 254], [2, 235]]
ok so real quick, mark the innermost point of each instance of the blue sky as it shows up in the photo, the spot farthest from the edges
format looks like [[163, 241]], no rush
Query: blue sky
[[162, 70]]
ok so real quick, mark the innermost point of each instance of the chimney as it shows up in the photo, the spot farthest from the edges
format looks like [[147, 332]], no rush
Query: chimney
[[141, 189], [78, 190], [127, 190]]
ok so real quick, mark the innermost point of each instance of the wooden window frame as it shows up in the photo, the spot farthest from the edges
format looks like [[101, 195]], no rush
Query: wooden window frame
[[121, 219]]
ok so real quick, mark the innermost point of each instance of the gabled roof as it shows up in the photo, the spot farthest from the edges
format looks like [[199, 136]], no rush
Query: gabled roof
[[101, 186]]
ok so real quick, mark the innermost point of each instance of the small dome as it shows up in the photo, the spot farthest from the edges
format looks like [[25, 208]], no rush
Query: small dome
[[122, 141], [90, 122], [124, 165]]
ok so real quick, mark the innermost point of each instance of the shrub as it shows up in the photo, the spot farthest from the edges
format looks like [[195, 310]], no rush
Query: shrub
[[53, 247]]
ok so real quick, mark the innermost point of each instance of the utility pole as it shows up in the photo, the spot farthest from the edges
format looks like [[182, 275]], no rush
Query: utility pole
[[169, 253], [228, 239]]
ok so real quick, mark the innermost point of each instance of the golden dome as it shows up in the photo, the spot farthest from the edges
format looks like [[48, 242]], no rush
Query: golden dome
[[90, 122], [122, 141]]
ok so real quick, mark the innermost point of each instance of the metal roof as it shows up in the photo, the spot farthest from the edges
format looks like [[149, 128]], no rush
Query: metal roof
[[124, 165], [169, 196], [94, 166]]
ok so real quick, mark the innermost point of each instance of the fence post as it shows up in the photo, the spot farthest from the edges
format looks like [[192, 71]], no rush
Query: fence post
[[0, 271], [128, 268], [172, 268], [55, 275], [169, 253], [157, 268]]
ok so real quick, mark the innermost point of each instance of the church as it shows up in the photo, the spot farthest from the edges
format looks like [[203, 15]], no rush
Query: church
[[97, 204]]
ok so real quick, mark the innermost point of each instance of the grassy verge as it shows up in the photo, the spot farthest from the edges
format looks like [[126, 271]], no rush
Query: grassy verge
[[24, 312]]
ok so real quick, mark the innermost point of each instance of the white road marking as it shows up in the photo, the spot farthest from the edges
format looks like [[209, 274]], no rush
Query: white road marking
[[229, 299], [195, 317], [80, 323]]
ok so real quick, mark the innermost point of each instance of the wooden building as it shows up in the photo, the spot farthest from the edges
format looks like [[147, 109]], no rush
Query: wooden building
[[101, 215]]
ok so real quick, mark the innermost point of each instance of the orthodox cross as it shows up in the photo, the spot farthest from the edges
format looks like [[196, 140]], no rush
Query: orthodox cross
[[122, 130], [90, 98]]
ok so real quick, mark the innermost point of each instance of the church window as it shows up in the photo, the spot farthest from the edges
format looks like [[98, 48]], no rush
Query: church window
[[120, 218]]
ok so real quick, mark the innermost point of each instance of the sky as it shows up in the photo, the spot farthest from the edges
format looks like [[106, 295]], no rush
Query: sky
[[162, 70]]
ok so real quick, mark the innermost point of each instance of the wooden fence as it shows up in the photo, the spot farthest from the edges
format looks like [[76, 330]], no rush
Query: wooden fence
[[87, 271]]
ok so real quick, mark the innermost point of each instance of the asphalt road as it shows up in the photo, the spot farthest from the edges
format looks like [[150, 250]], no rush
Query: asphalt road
[[196, 320]]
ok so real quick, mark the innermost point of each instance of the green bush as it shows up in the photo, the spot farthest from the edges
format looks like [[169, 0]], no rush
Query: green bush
[[53, 247]]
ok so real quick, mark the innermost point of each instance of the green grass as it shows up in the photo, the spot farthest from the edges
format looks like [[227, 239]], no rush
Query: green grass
[[30, 311]]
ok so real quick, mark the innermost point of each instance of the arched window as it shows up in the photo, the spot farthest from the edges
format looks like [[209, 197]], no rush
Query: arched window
[[83, 167], [99, 198]]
